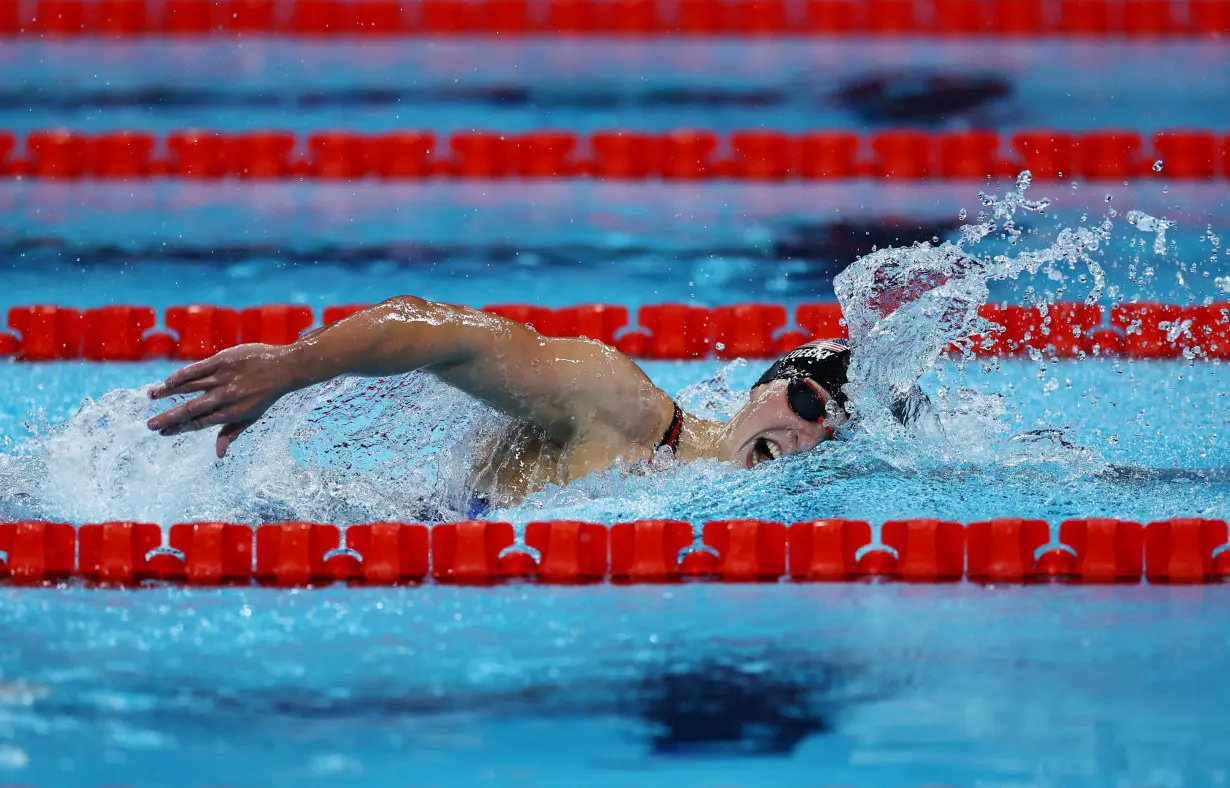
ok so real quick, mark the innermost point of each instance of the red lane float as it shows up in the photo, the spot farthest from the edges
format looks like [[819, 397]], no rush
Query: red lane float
[[274, 325], [47, 333], [1104, 550], [827, 550], [1183, 551], [571, 552], [213, 553], [473, 553], [661, 331], [746, 550], [116, 333], [928, 551], [298, 554], [117, 553], [618, 154], [37, 552], [747, 330], [201, 331], [333, 18], [293, 554], [1004, 550], [669, 331], [647, 551], [391, 553]]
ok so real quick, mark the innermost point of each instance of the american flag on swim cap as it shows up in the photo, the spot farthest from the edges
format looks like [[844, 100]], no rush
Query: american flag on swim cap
[[832, 345]]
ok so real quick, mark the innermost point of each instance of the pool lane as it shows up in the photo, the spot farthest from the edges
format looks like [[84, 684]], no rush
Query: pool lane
[[1124, 456], [583, 85], [758, 687], [552, 243]]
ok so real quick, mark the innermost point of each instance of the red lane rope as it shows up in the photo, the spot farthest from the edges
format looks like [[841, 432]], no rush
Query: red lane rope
[[632, 18], [660, 331], [682, 154], [1094, 550]]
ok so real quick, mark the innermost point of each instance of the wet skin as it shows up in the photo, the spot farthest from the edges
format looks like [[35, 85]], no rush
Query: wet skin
[[591, 405]]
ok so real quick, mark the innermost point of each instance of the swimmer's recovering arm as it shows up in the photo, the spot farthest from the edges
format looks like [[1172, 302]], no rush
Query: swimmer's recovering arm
[[566, 387]]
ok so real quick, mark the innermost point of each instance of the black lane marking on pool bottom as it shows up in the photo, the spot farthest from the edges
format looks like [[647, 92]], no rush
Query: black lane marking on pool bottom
[[747, 703], [920, 97], [879, 97], [496, 95], [832, 244]]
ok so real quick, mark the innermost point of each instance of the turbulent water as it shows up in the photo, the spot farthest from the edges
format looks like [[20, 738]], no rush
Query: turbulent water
[[348, 450], [404, 448]]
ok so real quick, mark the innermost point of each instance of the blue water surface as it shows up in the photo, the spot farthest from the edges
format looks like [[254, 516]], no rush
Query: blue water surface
[[635, 687], [1140, 441]]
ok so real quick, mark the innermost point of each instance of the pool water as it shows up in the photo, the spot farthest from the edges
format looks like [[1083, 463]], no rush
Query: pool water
[[619, 686], [1140, 441], [636, 687]]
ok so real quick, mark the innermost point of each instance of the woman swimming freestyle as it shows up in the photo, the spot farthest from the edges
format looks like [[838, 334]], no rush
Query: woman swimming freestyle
[[582, 405]]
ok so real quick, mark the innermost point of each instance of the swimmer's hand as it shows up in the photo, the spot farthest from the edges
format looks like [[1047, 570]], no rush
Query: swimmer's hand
[[236, 387], [573, 390]]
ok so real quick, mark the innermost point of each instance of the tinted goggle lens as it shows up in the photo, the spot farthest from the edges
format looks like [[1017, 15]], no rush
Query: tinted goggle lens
[[805, 400]]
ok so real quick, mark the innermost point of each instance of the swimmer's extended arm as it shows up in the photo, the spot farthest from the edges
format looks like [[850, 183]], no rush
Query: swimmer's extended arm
[[564, 386]]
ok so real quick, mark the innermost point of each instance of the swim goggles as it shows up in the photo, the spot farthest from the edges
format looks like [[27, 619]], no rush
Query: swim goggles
[[806, 399]]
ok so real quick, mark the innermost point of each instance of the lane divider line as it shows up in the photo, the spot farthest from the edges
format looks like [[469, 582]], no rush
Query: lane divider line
[[665, 332], [299, 554], [625, 18], [617, 154]]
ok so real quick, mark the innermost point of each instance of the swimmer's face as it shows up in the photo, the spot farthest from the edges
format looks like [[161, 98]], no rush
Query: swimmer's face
[[768, 429]]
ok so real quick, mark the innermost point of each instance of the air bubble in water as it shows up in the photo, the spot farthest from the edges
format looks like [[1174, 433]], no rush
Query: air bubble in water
[[1024, 180], [962, 214]]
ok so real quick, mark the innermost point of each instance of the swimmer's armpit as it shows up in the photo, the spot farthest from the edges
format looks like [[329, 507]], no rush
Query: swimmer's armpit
[[559, 385]]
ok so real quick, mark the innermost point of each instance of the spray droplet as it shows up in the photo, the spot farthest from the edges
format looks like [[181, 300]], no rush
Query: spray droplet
[[1110, 197], [1157, 166], [962, 214], [1024, 180]]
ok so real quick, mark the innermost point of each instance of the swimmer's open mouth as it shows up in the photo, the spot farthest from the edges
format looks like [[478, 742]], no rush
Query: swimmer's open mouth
[[763, 450]]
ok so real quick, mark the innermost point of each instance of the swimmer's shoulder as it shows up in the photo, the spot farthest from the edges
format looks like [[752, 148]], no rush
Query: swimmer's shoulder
[[622, 401]]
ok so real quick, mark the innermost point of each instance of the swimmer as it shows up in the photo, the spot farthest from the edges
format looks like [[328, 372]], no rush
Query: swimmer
[[581, 406]]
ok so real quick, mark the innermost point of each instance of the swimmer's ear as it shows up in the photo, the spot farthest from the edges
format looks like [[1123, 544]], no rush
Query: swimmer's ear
[[229, 433]]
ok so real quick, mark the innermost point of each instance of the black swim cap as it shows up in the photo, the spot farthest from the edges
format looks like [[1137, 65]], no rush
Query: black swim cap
[[827, 362], [824, 361]]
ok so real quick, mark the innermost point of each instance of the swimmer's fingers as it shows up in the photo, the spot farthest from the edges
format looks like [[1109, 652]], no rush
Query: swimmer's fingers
[[189, 416], [229, 433], [176, 382], [190, 387], [223, 413]]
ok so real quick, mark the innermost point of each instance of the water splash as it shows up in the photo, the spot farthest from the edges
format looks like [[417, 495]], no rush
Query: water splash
[[348, 450], [405, 448], [906, 307], [1151, 224]]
